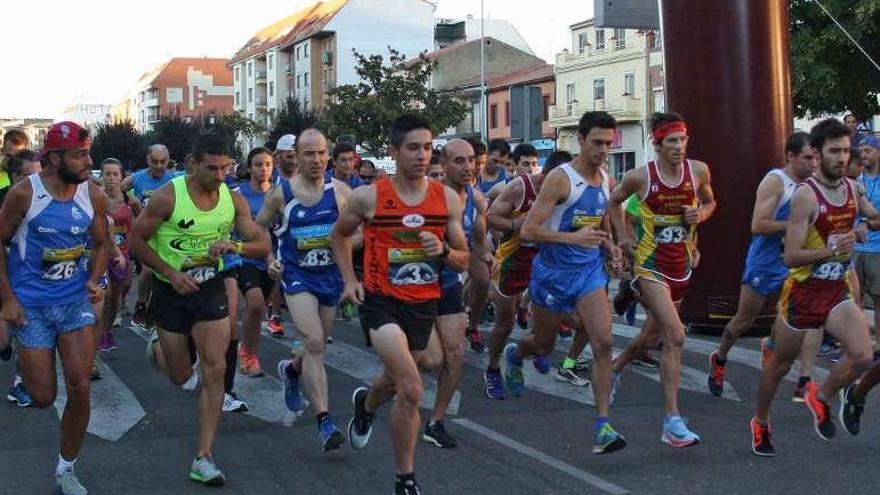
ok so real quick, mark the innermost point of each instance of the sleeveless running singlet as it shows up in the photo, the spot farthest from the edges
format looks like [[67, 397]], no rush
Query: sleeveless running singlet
[[485, 186], [665, 240], [304, 234], [122, 217], [46, 266], [184, 239], [395, 264], [449, 277], [255, 201], [513, 256], [766, 249]]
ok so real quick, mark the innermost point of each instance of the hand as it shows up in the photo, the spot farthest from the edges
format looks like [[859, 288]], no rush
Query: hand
[[862, 232], [615, 258], [119, 267], [183, 283], [695, 261], [432, 244], [353, 292], [220, 248], [275, 269], [691, 215], [13, 312], [589, 237], [489, 259], [627, 245], [95, 292], [846, 243]]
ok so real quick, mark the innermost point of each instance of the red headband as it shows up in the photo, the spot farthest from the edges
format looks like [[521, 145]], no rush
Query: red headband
[[668, 128]]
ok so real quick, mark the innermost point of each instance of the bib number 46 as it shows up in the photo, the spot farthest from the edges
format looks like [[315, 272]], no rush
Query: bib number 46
[[202, 274]]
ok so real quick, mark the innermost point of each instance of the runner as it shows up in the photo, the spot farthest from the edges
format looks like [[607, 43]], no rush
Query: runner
[[765, 271], [14, 141], [46, 294], [457, 159], [345, 165], [819, 242], [285, 167], [309, 205], [494, 172], [179, 237], [408, 221], [664, 255]]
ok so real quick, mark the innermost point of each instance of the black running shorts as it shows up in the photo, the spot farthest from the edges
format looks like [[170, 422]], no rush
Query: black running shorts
[[170, 311], [251, 277], [416, 320], [450, 302]]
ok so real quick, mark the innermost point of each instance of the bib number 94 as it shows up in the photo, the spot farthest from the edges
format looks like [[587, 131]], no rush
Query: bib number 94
[[63, 270], [830, 270], [672, 234]]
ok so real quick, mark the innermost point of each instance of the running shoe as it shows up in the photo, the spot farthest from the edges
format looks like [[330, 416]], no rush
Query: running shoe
[[607, 440], [274, 326], [206, 472], [835, 356], [615, 387], [139, 318], [68, 484], [851, 410], [522, 316], [624, 298], [762, 440], [513, 374], [473, 338], [568, 375], [232, 403], [677, 434], [331, 437], [565, 331], [766, 352], [541, 364], [646, 360], [96, 370], [18, 394], [361, 426], [103, 345], [436, 433], [292, 395], [494, 384], [408, 487], [111, 342], [117, 322], [248, 362], [152, 342], [583, 366], [716, 375], [800, 390], [826, 349], [822, 421]]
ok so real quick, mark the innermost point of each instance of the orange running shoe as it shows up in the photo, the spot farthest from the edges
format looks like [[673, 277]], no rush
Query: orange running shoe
[[822, 422]]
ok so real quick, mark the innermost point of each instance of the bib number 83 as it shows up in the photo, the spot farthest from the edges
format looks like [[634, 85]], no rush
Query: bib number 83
[[317, 257], [672, 234], [63, 270]]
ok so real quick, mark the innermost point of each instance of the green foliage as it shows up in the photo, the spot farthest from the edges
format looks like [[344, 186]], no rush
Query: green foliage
[[119, 140], [293, 118], [176, 134], [829, 74], [386, 91]]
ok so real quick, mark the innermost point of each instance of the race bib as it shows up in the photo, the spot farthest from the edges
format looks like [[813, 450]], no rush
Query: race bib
[[317, 257], [672, 234], [202, 274], [313, 244], [61, 264], [829, 270], [581, 220], [200, 268], [411, 266]]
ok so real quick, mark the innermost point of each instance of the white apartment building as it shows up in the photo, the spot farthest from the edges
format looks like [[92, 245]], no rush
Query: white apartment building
[[609, 69], [89, 115], [308, 53]]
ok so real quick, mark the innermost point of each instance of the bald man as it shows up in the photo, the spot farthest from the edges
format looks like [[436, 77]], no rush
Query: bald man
[[309, 204]]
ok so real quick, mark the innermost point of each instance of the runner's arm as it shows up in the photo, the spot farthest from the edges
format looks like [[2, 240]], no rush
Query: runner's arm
[[481, 241], [769, 192], [458, 255], [705, 195], [501, 210], [343, 194], [272, 207], [633, 183], [14, 209], [803, 208], [256, 239], [866, 209], [100, 236], [553, 191], [145, 227], [360, 205]]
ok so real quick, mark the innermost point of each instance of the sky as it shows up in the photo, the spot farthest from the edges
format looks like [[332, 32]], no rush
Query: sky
[[93, 51]]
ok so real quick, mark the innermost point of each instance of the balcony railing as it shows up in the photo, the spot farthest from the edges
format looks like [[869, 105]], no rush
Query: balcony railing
[[624, 106], [591, 53]]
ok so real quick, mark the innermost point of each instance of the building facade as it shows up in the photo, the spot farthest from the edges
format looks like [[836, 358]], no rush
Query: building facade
[[89, 115], [499, 105], [615, 70]]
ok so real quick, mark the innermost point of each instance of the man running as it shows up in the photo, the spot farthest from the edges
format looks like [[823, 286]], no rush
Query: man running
[[285, 168], [676, 196], [494, 172], [47, 294], [309, 206], [411, 227], [345, 165], [765, 271], [568, 222], [180, 237], [819, 243]]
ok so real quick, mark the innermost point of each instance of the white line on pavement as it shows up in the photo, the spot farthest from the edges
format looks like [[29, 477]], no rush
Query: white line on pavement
[[541, 457]]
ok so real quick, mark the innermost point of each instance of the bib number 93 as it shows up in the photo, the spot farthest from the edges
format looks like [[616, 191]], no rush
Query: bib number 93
[[672, 234]]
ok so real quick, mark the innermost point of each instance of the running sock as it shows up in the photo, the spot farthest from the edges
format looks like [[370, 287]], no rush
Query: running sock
[[568, 363], [403, 478], [320, 417], [600, 422], [231, 365], [63, 465], [292, 372], [803, 381], [719, 361]]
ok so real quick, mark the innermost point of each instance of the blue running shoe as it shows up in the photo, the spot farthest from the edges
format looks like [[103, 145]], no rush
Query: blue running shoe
[[18, 394], [494, 384], [292, 396], [608, 440], [541, 364], [677, 434], [513, 374], [331, 437]]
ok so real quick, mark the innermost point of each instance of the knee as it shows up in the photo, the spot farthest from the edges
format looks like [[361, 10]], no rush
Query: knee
[[179, 377], [42, 399], [862, 361], [453, 352], [255, 310], [78, 389], [314, 345], [410, 392], [602, 346], [673, 337]]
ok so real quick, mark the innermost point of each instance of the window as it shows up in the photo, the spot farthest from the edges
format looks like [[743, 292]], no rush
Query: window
[[653, 40], [250, 95], [298, 49], [306, 51], [306, 80], [545, 105], [271, 89], [598, 89], [493, 116], [270, 62], [583, 42], [600, 39], [298, 80], [506, 114], [237, 73], [237, 99], [476, 117], [629, 84], [619, 38], [621, 163], [250, 67], [659, 101], [569, 93]]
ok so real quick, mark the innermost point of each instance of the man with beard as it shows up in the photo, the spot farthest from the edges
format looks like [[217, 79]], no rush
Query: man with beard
[[47, 294]]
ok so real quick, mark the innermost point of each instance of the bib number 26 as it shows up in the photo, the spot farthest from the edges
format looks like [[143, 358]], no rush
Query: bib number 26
[[63, 270]]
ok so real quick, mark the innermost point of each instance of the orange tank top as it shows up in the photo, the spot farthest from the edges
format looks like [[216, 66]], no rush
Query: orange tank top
[[395, 264]]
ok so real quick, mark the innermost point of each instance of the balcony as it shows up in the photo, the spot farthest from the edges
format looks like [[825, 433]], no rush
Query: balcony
[[260, 77], [624, 109], [591, 56], [260, 101], [151, 102]]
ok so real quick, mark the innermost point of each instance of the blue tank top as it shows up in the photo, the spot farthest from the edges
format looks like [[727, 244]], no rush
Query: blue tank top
[[449, 277], [765, 250], [485, 186], [46, 265], [144, 184], [872, 194], [584, 207], [304, 234], [255, 201]]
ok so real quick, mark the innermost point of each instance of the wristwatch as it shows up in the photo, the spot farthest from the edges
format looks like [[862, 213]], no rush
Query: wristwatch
[[446, 250]]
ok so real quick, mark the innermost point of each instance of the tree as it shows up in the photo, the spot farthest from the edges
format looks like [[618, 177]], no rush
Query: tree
[[292, 118], [233, 127], [386, 91], [119, 140], [829, 73]]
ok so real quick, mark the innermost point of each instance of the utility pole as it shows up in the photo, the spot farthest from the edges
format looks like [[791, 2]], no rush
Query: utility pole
[[483, 121]]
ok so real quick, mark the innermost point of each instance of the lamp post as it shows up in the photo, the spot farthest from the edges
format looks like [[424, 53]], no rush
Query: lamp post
[[483, 123]]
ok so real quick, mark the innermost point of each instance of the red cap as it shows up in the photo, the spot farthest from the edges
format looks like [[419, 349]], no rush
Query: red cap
[[65, 136]]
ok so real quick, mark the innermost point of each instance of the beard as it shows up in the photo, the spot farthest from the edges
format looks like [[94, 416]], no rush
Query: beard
[[69, 177]]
